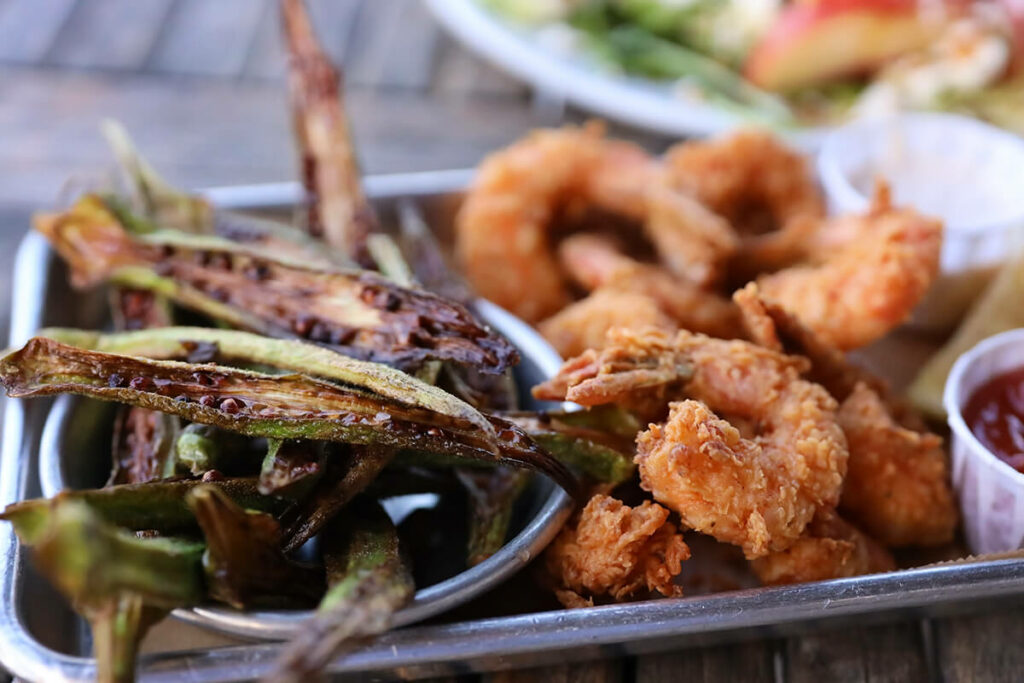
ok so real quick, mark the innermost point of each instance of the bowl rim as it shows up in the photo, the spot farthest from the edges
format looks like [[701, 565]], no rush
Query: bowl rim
[[427, 602], [837, 185], [952, 396]]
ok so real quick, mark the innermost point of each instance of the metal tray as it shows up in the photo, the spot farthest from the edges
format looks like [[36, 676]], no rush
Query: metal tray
[[41, 640]]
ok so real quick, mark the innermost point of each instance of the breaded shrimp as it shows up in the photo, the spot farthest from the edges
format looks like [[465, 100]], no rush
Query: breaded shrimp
[[897, 487], [594, 261], [584, 324], [617, 551], [637, 369], [868, 286], [501, 231], [765, 190], [771, 326], [830, 548], [692, 241], [757, 492]]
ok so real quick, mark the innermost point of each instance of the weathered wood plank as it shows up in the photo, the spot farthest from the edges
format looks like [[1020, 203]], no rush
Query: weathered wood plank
[[29, 27], [878, 654], [109, 34], [211, 131], [207, 38], [462, 73], [415, 41], [749, 662], [372, 40], [981, 648], [606, 671], [266, 56]]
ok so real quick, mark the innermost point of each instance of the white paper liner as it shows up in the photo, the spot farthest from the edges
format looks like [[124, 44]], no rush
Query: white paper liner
[[990, 491]]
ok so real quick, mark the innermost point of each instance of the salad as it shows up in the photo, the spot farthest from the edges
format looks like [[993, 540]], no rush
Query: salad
[[803, 62]]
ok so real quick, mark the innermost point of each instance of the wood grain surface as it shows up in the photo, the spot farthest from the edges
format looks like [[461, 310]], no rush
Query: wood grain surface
[[200, 85]]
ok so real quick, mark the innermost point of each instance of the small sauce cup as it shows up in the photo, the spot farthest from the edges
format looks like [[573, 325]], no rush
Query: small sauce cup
[[991, 492], [955, 168]]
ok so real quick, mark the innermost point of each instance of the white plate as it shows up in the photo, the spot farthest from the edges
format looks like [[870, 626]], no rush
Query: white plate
[[636, 101]]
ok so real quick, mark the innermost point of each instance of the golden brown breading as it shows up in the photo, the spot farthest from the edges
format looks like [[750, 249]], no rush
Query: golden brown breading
[[830, 548], [869, 285], [584, 324], [897, 487], [617, 551]]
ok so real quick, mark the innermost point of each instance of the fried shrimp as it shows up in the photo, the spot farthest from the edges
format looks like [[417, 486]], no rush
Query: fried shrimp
[[869, 285], [692, 241], [757, 490], [765, 191], [639, 370], [584, 324], [897, 487], [595, 262], [771, 326], [830, 548], [617, 551], [502, 231]]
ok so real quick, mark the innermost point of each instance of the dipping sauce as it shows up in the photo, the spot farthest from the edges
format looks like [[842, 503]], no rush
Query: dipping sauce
[[995, 414]]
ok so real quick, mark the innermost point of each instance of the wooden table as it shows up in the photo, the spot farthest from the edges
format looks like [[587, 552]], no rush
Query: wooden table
[[199, 85]]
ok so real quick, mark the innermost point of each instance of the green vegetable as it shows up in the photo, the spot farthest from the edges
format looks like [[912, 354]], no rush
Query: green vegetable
[[286, 354], [368, 582], [254, 404], [359, 312], [492, 498], [243, 562], [154, 506], [291, 467]]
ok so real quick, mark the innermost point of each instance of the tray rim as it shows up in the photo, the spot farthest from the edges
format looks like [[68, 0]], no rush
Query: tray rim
[[487, 644]]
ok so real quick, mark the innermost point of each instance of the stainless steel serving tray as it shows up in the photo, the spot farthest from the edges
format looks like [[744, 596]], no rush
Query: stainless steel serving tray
[[41, 640]]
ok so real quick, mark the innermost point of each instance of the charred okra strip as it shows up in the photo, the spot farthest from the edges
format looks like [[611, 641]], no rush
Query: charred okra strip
[[118, 627], [143, 445], [368, 582], [243, 562], [158, 506], [492, 497], [291, 467], [361, 313], [345, 480], [255, 404], [91, 560], [338, 211], [154, 204], [159, 200], [177, 343]]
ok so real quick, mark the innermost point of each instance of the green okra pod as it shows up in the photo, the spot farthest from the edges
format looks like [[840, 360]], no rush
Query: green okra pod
[[292, 467], [368, 582], [492, 497], [255, 404], [168, 343], [243, 562], [158, 506], [359, 312]]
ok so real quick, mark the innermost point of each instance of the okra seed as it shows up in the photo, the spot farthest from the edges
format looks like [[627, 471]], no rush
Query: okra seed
[[207, 400], [140, 383], [231, 405], [116, 380]]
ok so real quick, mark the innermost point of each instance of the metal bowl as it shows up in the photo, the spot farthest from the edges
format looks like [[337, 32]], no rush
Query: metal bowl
[[74, 454]]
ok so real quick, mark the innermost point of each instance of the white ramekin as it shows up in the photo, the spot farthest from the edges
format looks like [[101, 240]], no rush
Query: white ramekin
[[983, 156], [990, 491]]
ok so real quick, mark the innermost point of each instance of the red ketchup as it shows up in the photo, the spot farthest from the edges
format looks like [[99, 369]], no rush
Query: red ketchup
[[995, 413]]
